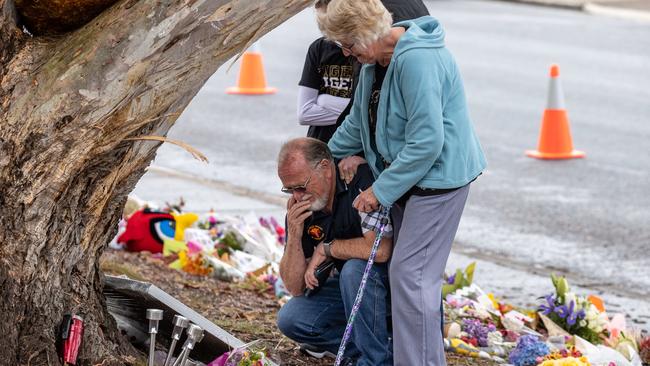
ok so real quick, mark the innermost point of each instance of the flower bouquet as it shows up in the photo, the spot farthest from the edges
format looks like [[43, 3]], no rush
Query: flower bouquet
[[480, 334], [575, 314], [567, 361], [458, 280], [570, 356], [245, 355], [194, 263], [241, 357]]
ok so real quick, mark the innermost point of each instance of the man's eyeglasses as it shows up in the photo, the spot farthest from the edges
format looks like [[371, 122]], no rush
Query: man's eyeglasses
[[345, 48], [303, 187], [300, 189]]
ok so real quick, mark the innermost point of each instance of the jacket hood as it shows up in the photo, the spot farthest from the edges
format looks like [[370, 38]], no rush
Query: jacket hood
[[421, 32]]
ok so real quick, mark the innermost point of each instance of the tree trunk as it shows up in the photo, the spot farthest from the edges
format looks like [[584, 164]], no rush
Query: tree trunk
[[68, 104]]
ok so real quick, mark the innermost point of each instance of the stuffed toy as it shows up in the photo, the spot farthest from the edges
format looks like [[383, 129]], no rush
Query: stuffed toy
[[147, 230], [183, 221]]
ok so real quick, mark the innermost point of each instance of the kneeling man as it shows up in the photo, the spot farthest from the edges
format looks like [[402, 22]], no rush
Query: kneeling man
[[323, 226]]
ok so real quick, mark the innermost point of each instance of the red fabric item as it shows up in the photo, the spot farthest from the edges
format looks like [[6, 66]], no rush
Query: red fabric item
[[140, 234]]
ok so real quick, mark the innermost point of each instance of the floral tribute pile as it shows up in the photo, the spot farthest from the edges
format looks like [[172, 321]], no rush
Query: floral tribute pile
[[566, 329], [245, 249]]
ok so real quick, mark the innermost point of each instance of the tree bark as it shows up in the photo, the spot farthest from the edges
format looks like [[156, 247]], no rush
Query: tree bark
[[10, 35], [67, 105], [59, 16]]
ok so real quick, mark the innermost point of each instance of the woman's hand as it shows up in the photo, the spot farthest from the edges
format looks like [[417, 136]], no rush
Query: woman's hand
[[316, 259], [348, 167], [366, 201]]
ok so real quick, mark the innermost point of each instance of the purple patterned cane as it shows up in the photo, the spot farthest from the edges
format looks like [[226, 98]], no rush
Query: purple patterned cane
[[383, 217]]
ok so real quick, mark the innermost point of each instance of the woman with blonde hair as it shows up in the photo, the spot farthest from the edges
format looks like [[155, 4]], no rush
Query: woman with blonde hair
[[410, 119]]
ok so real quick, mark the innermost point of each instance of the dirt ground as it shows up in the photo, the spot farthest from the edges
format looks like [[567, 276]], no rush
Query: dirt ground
[[246, 310]]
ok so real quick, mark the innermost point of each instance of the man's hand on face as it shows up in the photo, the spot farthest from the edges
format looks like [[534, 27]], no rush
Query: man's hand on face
[[316, 259], [297, 213]]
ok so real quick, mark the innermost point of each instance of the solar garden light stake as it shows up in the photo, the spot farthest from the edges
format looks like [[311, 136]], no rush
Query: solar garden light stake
[[194, 336], [199, 338], [180, 323], [154, 316]]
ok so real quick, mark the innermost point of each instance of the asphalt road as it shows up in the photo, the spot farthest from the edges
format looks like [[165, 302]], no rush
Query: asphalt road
[[586, 218]]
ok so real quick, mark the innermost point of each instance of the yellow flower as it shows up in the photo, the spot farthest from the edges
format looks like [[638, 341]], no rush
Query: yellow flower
[[568, 361], [495, 303]]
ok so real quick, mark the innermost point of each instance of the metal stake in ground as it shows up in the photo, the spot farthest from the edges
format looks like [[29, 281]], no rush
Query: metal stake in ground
[[190, 347], [154, 316], [194, 336], [180, 323], [383, 217]]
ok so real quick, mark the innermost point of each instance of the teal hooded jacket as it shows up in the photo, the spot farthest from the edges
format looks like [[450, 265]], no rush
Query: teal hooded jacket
[[423, 128]]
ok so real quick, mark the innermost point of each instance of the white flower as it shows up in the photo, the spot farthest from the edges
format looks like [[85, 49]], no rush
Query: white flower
[[494, 338], [591, 314], [570, 296], [583, 323]]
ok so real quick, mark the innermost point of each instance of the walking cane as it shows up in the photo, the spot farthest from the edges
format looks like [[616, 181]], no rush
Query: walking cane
[[383, 217]]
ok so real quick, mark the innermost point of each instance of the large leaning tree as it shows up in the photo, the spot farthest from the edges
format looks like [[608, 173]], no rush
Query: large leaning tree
[[80, 82]]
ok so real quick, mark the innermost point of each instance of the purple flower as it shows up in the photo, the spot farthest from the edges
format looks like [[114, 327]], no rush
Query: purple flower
[[264, 223], [549, 307], [562, 311], [476, 329], [451, 279], [574, 316]]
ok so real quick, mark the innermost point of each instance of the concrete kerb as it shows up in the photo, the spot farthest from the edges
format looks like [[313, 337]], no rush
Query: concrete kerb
[[265, 197], [633, 14], [564, 4], [614, 8]]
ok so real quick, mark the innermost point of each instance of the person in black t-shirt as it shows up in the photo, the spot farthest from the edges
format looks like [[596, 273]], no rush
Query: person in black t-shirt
[[325, 88], [325, 97], [323, 226]]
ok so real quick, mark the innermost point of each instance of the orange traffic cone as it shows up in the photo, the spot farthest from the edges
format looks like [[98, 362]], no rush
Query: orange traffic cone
[[555, 136], [251, 75]]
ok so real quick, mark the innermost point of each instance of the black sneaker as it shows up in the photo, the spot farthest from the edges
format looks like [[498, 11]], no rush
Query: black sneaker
[[346, 361], [312, 351]]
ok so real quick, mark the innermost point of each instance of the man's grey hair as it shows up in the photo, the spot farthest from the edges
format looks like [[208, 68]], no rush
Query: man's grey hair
[[311, 149]]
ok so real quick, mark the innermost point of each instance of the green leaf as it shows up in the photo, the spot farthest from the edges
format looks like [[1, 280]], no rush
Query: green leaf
[[469, 273], [447, 289], [458, 280], [562, 286]]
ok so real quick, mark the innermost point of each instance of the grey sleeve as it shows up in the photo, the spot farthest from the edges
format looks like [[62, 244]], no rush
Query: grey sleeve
[[318, 110]]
